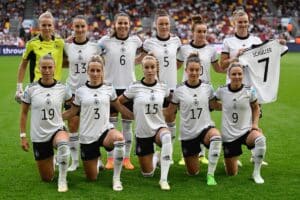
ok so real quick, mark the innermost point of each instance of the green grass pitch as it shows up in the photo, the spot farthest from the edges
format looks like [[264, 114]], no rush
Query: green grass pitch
[[281, 124]]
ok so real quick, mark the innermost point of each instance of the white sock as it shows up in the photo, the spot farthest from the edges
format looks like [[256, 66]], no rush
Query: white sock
[[74, 147], [155, 160], [259, 153], [114, 121], [172, 128], [166, 155], [203, 150], [63, 155], [127, 132], [214, 154], [118, 158]]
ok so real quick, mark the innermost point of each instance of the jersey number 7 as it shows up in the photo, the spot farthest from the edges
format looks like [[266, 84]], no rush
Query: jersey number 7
[[266, 60]]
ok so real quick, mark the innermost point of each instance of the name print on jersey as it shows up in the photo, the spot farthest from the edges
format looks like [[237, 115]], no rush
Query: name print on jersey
[[262, 52]]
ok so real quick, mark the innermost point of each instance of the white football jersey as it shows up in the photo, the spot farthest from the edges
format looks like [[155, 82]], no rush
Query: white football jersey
[[262, 63], [119, 58], [236, 111], [231, 46], [147, 107], [79, 55], [46, 109], [94, 105], [165, 51], [193, 104], [207, 55]]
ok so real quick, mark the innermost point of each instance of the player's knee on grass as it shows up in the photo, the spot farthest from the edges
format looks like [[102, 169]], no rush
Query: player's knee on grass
[[148, 174], [231, 167], [192, 171]]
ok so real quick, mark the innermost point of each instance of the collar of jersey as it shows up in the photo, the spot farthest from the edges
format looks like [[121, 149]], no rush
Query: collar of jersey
[[163, 39], [237, 90], [122, 38], [93, 86], [242, 38], [46, 86], [80, 43], [149, 85], [192, 86], [195, 46], [41, 39]]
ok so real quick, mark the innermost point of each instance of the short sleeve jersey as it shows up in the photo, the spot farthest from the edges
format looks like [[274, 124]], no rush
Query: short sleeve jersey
[[165, 51], [46, 109], [147, 106], [207, 55], [231, 46], [262, 63], [94, 102], [79, 55], [36, 48], [193, 102], [119, 55], [236, 111]]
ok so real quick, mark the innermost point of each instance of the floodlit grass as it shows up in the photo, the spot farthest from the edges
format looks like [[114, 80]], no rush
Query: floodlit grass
[[20, 179]]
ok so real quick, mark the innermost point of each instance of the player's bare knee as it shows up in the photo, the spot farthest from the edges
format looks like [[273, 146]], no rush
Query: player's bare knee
[[192, 172], [231, 173], [91, 177], [119, 137], [148, 174]]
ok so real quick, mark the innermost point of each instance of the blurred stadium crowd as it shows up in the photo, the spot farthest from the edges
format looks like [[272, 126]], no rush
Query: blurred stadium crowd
[[265, 18]]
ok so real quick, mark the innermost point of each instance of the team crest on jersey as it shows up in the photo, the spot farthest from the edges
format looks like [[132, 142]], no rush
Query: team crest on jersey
[[234, 103], [166, 51], [123, 49], [196, 102], [96, 102], [48, 100], [152, 97], [79, 55]]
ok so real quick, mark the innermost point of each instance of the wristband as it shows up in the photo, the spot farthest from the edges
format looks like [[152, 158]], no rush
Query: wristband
[[19, 86], [22, 135]]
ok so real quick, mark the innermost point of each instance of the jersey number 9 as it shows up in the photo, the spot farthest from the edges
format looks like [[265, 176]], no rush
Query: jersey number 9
[[235, 117]]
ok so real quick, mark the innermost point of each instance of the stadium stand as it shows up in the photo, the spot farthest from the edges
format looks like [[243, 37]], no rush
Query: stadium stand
[[266, 14]]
